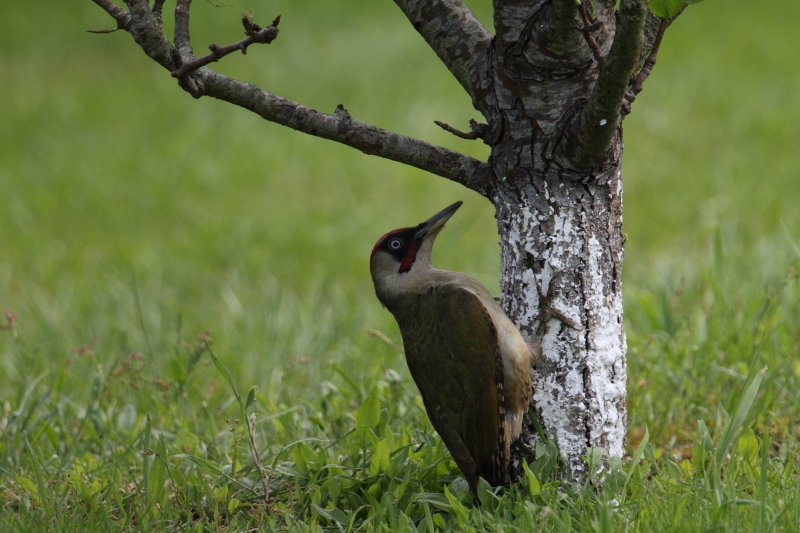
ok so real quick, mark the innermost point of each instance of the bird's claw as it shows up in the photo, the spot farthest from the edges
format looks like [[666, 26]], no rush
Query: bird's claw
[[545, 300], [546, 303]]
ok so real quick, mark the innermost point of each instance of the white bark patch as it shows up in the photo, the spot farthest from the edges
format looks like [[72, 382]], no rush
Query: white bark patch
[[605, 359], [559, 395], [528, 279], [520, 241], [558, 421], [550, 344], [579, 388]]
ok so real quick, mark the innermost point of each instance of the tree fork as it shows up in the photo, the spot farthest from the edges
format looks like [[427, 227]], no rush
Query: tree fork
[[553, 93]]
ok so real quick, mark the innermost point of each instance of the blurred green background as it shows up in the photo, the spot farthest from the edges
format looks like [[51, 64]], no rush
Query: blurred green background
[[133, 217]]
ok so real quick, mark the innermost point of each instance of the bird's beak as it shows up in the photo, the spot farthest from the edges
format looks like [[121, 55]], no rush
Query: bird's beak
[[432, 226]]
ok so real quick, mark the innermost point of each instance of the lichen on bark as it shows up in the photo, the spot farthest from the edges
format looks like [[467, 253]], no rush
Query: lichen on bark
[[579, 389]]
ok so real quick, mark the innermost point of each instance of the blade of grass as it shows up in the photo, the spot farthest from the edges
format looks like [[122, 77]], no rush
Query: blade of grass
[[227, 375], [637, 456], [37, 468], [735, 423], [762, 496], [145, 485], [250, 425]]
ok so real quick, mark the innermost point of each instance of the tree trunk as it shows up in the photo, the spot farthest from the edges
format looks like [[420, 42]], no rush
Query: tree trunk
[[548, 226], [556, 217]]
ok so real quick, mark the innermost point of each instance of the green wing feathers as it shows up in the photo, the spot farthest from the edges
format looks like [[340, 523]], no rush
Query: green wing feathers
[[453, 355]]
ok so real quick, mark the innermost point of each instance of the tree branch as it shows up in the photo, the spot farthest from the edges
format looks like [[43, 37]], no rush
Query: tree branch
[[183, 54], [654, 28], [182, 39], [636, 83], [146, 30], [461, 42], [255, 34], [158, 7], [594, 128], [477, 131], [588, 27]]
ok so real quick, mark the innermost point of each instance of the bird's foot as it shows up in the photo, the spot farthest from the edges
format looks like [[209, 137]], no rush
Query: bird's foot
[[546, 308]]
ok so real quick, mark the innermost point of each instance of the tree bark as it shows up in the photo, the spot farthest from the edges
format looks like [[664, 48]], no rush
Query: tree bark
[[556, 215], [553, 85], [548, 226]]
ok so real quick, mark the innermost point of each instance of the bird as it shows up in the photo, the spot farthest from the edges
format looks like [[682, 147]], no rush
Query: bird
[[472, 366]]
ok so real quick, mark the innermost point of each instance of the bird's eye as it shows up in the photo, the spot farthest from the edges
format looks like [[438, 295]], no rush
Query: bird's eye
[[395, 244]]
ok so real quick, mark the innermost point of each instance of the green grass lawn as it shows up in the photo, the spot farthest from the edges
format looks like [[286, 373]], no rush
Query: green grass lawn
[[134, 219]]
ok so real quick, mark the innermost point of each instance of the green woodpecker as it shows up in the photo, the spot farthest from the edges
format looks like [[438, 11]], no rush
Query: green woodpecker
[[470, 363]]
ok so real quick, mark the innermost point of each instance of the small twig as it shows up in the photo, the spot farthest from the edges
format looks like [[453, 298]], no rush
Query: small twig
[[637, 82], [158, 7], [255, 34], [591, 132], [589, 26], [342, 113], [479, 131], [183, 47], [182, 39], [112, 30]]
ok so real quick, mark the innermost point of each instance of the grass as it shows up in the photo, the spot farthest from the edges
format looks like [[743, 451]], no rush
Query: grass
[[135, 219]]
